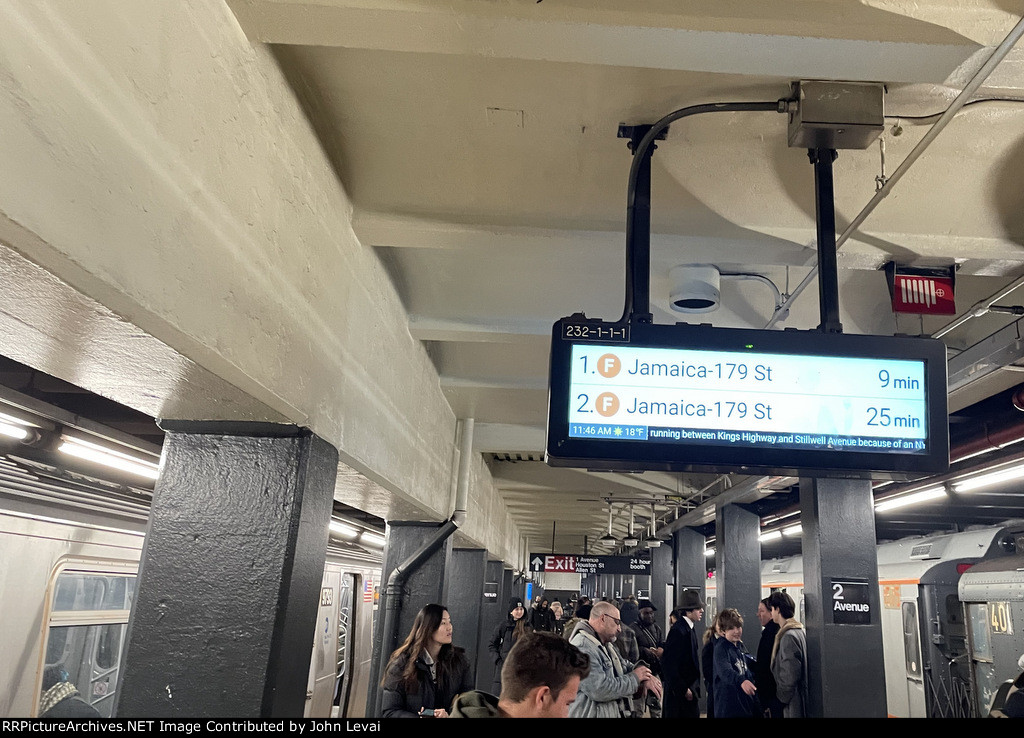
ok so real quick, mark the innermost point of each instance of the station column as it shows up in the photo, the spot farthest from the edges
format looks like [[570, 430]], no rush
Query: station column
[[842, 616], [231, 572], [738, 562]]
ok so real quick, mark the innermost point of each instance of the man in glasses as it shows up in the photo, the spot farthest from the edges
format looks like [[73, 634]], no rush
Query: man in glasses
[[612, 682]]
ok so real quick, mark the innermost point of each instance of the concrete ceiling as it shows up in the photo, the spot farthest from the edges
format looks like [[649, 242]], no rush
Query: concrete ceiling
[[477, 141]]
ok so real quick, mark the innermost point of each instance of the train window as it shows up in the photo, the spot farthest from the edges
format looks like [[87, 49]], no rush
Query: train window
[[911, 640], [980, 642], [84, 638]]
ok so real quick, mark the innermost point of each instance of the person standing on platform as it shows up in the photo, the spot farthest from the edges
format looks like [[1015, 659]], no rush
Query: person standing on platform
[[651, 641], [609, 688], [541, 618], [680, 663], [582, 616], [505, 636], [630, 611], [559, 617], [763, 679], [789, 657], [712, 634], [426, 673], [734, 689]]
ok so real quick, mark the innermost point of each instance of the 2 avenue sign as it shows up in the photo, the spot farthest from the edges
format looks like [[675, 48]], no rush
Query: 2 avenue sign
[[587, 565]]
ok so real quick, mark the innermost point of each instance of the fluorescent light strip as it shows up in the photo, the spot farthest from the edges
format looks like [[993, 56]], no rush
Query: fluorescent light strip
[[772, 535], [932, 493], [793, 530], [107, 457], [709, 552], [373, 539], [345, 531], [985, 480], [14, 431]]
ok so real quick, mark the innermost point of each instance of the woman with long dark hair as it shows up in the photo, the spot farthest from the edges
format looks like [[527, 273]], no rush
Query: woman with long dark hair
[[426, 673]]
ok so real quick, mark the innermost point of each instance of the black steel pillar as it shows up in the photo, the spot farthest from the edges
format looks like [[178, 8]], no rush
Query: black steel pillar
[[229, 585], [825, 216], [464, 596], [846, 676], [424, 585], [661, 578], [738, 564], [492, 612]]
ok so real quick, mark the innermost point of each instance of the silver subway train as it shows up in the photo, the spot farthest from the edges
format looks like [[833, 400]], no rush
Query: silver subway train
[[70, 550], [947, 646]]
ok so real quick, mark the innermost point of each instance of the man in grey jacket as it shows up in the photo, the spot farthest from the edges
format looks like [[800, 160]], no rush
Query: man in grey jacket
[[789, 656], [607, 690]]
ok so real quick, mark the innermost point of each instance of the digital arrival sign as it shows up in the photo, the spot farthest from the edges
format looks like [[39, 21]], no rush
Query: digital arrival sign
[[688, 397]]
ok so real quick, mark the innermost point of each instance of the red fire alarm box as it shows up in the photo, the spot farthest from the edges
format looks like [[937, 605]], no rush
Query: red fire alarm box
[[922, 290]]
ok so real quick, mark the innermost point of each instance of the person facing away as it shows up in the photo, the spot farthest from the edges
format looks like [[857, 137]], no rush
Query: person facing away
[[630, 611], [680, 664], [505, 635], [734, 688], [558, 616], [582, 616], [650, 641], [789, 656], [608, 690], [763, 679], [539, 679], [707, 661], [61, 699], [426, 672]]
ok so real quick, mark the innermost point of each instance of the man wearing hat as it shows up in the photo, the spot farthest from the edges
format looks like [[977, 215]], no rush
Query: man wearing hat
[[680, 663], [651, 642]]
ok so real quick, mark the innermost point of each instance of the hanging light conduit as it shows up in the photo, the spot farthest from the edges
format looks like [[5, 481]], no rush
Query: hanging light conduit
[[962, 99]]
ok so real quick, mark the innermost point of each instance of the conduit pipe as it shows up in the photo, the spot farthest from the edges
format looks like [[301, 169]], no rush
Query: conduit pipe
[[965, 94], [401, 573], [979, 308]]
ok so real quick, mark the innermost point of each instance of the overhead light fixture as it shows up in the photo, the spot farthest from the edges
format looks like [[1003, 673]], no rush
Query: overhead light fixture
[[13, 431], [344, 531], [772, 535], [653, 543], [630, 540], [98, 454], [709, 552], [989, 479], [793, 530], [891, 503], [608, 537], [371, 539], [694, 288]]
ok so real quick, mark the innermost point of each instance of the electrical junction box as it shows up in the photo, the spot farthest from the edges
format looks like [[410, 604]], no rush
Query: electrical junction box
[[836, 115]]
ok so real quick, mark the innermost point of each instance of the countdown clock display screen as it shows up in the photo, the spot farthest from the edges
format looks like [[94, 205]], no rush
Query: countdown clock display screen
[[694, 397]]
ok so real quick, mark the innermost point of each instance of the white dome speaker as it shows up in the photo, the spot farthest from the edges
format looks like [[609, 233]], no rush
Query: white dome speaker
[[695, 288]]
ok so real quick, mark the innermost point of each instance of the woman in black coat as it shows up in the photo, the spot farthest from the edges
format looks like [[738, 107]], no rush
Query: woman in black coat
[[504, 637], [426, 673]]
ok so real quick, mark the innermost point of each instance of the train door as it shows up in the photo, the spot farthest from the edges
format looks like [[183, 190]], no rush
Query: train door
[[913, 672], [320, 687], [88, 607]]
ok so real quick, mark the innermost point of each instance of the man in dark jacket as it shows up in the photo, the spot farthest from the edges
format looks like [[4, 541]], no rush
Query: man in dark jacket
[[680, 664], [651, 641], [763, 678]]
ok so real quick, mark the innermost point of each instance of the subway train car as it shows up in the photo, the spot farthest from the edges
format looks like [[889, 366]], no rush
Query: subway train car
[[925, 638], [71, 552], [993, 596]]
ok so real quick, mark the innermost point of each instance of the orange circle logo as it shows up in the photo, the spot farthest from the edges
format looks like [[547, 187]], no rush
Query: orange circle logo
[[607, 404], [608, 365]]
